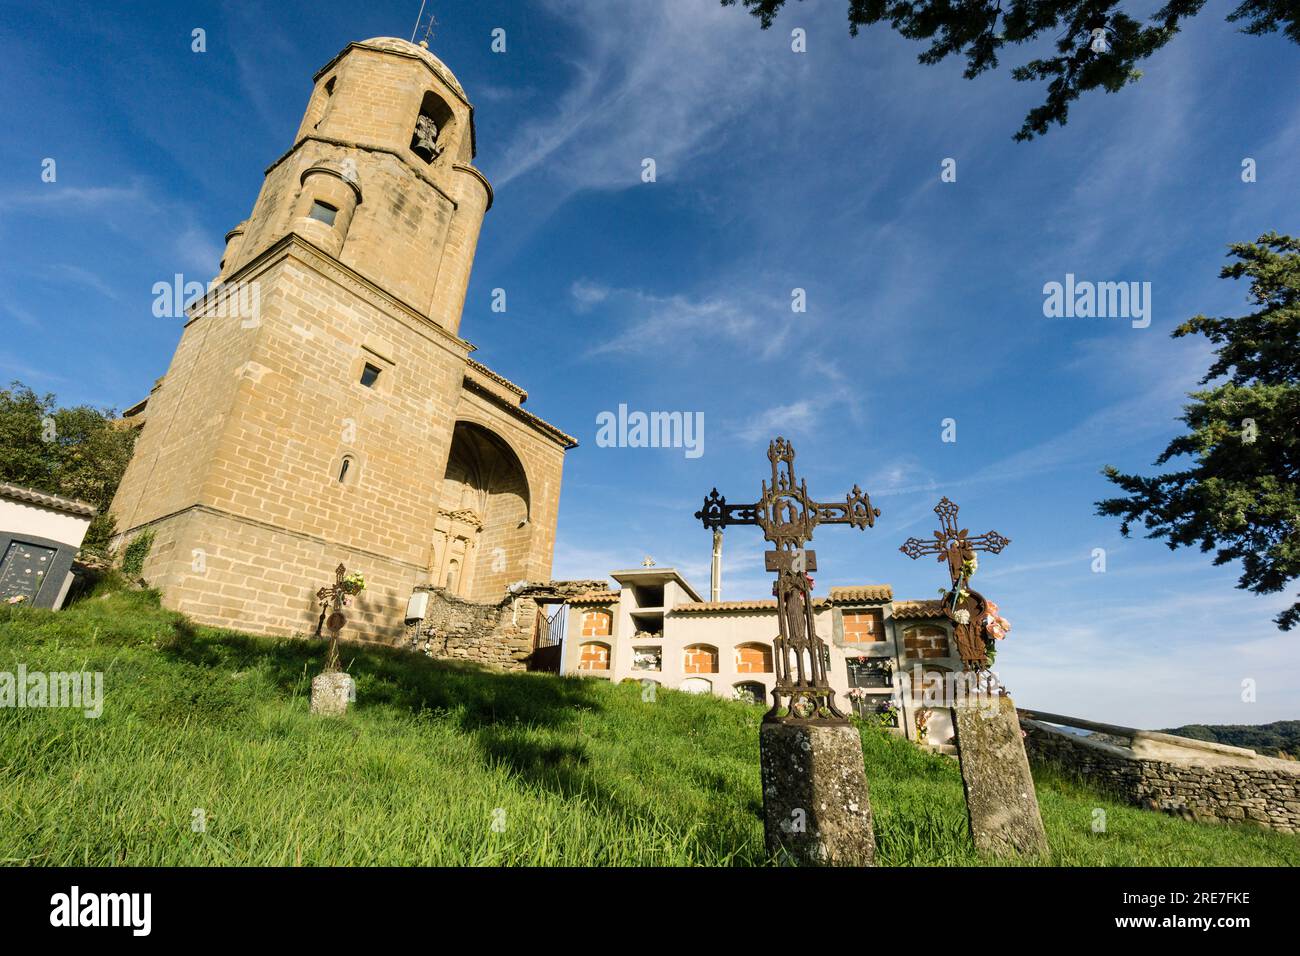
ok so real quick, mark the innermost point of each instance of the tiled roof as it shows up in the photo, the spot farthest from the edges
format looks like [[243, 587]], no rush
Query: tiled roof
[[705, 607], [499, 379], [845, 595], [595, 597], [54, 502], [862, 592], [568, 441], [918, 609]]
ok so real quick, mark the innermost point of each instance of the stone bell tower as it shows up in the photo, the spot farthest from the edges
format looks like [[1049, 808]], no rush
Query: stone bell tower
[[321, 407]]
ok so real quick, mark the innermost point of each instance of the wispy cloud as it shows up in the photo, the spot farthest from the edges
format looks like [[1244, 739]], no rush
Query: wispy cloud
[[799, 416], [22, 315], [659, 81], [62, 271], [138, 210], [52, 197], [196, 249], [11, 366], [648, 323]]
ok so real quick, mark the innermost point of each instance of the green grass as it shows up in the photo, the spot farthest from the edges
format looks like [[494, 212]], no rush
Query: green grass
[[586, 774]]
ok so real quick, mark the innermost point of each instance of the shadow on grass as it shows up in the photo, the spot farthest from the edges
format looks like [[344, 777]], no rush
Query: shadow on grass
[[550, 733], [474, 696], [501, 712]]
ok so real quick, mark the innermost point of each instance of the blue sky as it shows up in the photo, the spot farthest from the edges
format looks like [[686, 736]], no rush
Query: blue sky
[[775, 171]]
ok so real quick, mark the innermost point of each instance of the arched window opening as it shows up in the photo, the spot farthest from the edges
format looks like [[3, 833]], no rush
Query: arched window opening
[[429, 138], [593, 656], [329, 99], [347, 470], [753, 658], [700, 659]]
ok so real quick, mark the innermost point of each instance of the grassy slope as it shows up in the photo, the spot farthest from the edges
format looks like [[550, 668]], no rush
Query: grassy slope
[[586, 773]]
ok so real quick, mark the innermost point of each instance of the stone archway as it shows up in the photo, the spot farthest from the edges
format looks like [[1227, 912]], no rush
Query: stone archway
[[482, 535]]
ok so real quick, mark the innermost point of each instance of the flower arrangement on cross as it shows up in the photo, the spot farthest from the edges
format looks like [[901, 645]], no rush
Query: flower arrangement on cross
[[333, 599]]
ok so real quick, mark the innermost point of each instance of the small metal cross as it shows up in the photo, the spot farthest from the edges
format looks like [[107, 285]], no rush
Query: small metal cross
[[331, 599], [957, 547]]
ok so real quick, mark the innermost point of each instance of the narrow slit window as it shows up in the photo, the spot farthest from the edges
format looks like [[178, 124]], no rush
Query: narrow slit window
[[344, 468], [369, 375], [324, 212]]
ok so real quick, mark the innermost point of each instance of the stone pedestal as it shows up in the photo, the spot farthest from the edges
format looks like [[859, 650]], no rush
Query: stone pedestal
[[1000, 798], [331, 692], [816, 811]]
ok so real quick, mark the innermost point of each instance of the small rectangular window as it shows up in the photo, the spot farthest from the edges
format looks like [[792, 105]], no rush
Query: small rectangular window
[[324, 212], [369, 375]]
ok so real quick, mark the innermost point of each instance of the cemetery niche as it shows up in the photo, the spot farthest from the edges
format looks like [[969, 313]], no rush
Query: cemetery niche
[[816, 807], [39, 537]]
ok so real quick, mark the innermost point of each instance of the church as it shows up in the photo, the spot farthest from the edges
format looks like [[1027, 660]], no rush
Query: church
[[344, 419], [335, 416]]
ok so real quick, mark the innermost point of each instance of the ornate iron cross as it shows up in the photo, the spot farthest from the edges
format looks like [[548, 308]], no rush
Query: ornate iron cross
[[957, 546], [331, 599], [788, 515]]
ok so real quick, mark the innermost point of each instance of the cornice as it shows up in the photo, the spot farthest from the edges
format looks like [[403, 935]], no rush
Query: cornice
[[374, 148], [561, 438], [312, 255]]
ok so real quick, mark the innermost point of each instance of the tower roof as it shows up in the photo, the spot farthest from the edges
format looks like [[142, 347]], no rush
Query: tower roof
[[397, 45]]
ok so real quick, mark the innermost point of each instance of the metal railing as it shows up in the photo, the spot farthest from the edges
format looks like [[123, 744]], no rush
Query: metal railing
[[551, 633]]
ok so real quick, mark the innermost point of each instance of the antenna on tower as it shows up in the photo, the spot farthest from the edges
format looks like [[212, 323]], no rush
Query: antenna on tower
[[428, 29], [418, 17]]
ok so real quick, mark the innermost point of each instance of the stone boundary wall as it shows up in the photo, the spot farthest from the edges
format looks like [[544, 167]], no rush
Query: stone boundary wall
[[1204, 785], [498, 635]]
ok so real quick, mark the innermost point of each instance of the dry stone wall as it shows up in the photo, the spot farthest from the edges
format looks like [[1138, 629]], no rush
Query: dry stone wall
[[1260, 790], [498, 635]]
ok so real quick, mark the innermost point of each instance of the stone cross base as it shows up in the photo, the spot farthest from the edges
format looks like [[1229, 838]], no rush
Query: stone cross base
[[816, 810], [331, 692], [1000, 798]]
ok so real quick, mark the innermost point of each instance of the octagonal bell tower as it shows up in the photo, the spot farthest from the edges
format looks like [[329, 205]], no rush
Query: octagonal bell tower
[[380, 176], [336, 416]]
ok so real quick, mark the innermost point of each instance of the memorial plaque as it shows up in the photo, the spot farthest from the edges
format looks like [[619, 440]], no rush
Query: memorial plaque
[[23, 570]]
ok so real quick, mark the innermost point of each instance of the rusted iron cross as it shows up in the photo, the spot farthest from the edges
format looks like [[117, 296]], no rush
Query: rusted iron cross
[[964, 607], [331, 599], [788, 515]]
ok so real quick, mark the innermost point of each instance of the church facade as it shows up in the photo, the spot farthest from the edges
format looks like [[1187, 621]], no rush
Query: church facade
[[336, 415]]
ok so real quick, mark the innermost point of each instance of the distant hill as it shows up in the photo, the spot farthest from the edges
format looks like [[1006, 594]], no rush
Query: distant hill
[[1279, 738]]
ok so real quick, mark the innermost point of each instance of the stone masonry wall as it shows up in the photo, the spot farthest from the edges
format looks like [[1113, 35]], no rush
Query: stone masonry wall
[[1264, 791], [499, 636]]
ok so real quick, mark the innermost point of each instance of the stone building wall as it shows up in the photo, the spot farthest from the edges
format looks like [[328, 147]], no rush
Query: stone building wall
[[499, 635], [1260, 790], [270, 453]]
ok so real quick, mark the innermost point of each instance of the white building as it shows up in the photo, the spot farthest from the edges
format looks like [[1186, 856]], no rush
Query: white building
[[39, 536], [655, 627]]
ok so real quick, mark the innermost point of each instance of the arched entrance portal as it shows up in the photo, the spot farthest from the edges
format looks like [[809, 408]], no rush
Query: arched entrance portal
[[482, 535]]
